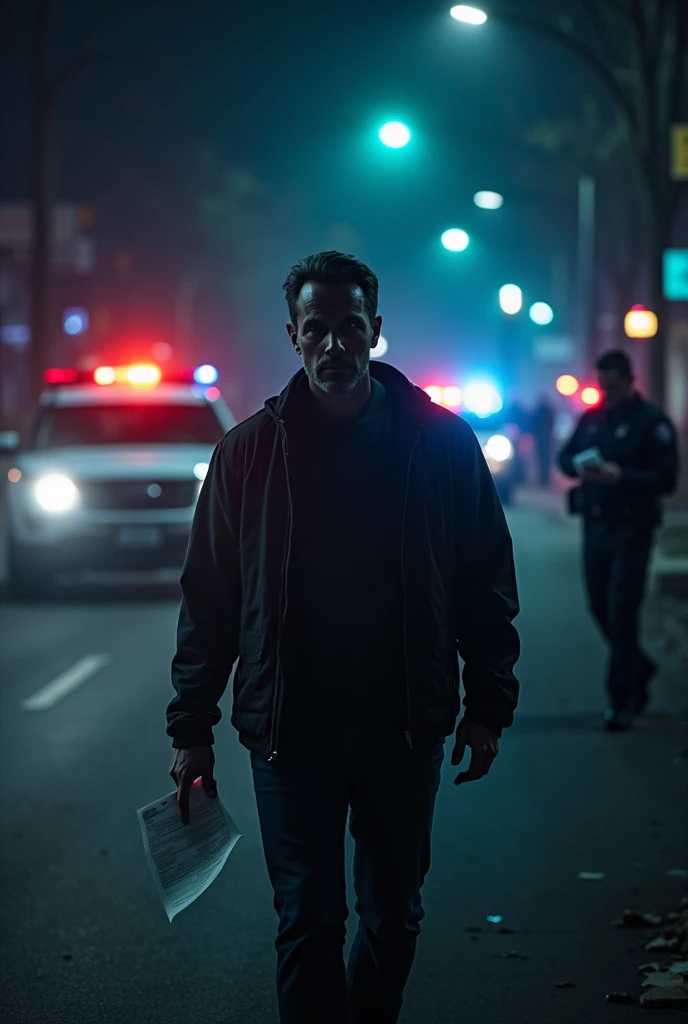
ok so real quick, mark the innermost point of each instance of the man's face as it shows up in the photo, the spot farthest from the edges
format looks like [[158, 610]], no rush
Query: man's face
[[334, 335], [615, 388]]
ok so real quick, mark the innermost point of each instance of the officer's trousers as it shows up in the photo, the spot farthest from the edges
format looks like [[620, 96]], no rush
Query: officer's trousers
[[616, 558]]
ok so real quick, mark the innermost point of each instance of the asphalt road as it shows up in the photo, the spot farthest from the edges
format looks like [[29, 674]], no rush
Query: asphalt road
[[85, 939]]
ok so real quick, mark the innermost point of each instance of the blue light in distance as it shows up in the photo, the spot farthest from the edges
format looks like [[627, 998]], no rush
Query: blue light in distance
[[75, 321], [205, 374], [482, 398]]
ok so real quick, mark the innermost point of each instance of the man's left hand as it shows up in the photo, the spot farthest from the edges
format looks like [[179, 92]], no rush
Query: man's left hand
[[484, 748], [608, 473]]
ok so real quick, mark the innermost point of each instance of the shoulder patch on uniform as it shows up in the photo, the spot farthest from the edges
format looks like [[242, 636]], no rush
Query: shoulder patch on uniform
[[664, 433]]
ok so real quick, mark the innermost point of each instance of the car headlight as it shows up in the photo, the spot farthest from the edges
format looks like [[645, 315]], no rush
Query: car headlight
[[499, 448], [56, 493]]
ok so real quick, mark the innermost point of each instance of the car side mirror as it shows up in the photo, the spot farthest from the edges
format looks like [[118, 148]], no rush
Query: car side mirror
[[9, 442]]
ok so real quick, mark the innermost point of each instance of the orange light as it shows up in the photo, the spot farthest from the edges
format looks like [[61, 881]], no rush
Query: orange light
[[567, 384], [434, 393], [144, 373], [640, 322], [14, 476], [451, 397], [590, 396], [104, 375]]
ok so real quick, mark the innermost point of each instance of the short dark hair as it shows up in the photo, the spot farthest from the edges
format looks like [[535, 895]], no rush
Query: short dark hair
[[617, 360], [331, 268]]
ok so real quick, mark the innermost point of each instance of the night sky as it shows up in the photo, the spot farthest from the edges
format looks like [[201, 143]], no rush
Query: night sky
[[288, 100]]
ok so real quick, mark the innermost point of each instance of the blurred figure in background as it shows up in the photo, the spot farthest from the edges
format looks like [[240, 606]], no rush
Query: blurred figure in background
[[543, 433], [624, 452]]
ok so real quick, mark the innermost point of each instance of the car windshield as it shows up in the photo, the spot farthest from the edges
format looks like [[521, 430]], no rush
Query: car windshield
[[72, 426]]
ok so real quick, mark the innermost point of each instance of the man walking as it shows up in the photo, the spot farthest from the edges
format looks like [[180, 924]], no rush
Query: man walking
[[625, 453], [348, 542]]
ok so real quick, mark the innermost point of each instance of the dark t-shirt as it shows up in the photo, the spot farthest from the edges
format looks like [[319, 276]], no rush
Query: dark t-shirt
[[344, 643]]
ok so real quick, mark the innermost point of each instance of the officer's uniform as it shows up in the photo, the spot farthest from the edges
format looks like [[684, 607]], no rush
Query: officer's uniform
[[620, 520]]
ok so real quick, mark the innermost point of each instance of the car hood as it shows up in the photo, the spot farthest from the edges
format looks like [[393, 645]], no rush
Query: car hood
[[120, 462]]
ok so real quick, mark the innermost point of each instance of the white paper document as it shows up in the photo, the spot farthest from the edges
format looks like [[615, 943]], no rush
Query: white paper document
[[591, 458], [185, 859]]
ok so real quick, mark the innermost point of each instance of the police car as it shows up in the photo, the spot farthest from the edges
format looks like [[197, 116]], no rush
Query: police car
[[111, 473], [480, 405]]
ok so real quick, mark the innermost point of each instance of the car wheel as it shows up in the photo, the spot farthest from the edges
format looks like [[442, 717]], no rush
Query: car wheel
[[29, 579]]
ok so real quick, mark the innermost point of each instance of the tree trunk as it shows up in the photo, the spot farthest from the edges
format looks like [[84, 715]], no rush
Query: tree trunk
[[41, 195]]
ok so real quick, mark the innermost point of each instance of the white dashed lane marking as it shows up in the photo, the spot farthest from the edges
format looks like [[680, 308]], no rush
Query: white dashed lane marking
[[66, 682]]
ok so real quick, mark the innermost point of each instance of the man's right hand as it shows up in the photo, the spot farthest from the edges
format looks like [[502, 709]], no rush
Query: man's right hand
[[188, 765]]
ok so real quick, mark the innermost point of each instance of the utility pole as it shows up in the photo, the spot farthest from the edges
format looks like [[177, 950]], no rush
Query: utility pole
[[586, 271]]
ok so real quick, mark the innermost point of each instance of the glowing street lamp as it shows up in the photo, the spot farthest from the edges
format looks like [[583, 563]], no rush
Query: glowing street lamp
[[394, 135], [380, 349], [455, 240], [488, 200], [590, 396], [640, 322], [567, 384], [468, 15], [541, 313], [510, 298]]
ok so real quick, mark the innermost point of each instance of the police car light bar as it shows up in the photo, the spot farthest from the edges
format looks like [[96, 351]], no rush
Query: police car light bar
[[137, 374]]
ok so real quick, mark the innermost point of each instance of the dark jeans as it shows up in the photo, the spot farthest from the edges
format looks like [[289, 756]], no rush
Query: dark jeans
[[616, 559], [304, 798]]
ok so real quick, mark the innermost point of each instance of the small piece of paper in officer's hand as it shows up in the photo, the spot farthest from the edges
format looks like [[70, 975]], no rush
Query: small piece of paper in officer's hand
[[185, 859]]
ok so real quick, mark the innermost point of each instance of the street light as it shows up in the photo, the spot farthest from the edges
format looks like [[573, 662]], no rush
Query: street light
[[488, 200], [510, 298], [640, 322], [541, 313], [455, 239], [380, 349], [468, 15], [567, 384], [394, 135]]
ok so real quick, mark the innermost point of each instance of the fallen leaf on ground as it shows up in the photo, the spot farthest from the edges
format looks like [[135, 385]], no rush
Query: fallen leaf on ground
[[679, 968], [677, 873], [591, 876], [494, 918], [621, 997], [665, 998], [661, 942], [661, 979], [563, 984], [646, 968], [637, 919]]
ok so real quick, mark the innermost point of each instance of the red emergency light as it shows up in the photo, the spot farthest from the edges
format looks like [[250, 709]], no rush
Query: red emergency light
[[135, 374]]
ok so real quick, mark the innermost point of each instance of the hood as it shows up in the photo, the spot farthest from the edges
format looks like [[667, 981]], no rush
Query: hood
[[406, 395], [120, 462]]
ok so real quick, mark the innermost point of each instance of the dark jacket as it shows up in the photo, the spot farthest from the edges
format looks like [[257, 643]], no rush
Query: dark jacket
[[642, 441], [457, 568]]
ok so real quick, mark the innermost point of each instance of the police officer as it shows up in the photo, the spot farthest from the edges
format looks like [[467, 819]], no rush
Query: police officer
[[629, 449]]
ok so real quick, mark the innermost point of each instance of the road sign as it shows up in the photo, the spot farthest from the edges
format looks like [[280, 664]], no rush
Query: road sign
[[679, 152], [675, 276]]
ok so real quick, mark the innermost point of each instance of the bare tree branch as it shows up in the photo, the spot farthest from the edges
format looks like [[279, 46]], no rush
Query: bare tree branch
[[580, 50]]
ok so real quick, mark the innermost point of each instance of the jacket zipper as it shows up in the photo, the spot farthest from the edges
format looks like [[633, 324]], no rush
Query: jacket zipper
[[279, 677], [407, 734]]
